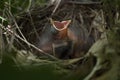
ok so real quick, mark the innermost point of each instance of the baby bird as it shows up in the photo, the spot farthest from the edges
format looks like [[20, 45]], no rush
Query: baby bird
[[54, 38], [64, 40]]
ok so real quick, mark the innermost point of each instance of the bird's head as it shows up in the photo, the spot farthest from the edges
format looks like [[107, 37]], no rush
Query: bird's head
[[61, 28]]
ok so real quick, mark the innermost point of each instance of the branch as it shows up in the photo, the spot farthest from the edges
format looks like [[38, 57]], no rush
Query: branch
[[25, 41]]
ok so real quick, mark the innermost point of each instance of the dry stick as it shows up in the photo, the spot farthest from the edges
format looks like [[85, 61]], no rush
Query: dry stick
[[12, 17], [32, 23], [33, 46], [42, 52], [17, 25], [57, 3]]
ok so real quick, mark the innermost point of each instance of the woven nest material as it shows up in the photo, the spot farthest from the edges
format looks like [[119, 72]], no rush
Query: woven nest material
[[95, 60], [88, 18]]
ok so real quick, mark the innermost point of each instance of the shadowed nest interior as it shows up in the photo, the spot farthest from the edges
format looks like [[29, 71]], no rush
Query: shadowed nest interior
[[82, 16]]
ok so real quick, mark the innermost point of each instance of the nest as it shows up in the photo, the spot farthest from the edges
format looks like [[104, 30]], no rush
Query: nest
[[34, 23], [95, 60]]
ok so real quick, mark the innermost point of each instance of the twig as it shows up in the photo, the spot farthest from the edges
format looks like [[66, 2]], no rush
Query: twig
[[32, 23], [57, 3], [17, 25], [83, 3], [31, 45]]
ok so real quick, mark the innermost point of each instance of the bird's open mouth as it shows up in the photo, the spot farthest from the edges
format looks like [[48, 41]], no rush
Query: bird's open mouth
[[60, 25]]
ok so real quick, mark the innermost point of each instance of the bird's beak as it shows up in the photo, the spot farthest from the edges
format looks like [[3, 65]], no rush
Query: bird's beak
[[60, 25]]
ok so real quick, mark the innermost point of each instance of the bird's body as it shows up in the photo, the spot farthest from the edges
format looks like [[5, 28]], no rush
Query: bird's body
[[64, 40]]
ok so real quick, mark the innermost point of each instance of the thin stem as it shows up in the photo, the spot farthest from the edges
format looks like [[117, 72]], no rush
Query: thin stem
[[29, 44]]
